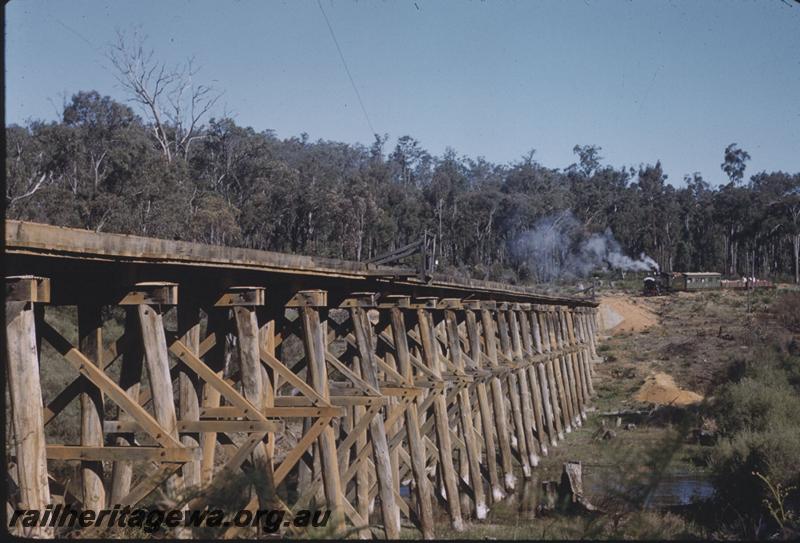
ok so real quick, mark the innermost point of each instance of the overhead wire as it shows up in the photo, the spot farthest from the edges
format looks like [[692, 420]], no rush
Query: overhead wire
[[347, 69]]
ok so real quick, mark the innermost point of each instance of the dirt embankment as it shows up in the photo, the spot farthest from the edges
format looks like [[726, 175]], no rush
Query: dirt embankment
[[621, 313], [660, 389], [624, 313]]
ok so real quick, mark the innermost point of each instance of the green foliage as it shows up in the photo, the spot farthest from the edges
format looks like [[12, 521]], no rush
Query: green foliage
[[756, 463], [772, 451], [759, 402], [776, 502], [104, 168], [786, 309], [735, 162]]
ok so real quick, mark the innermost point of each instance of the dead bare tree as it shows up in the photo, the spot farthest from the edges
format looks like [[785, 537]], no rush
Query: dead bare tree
[[26, 174], [31, 186], [794, 212], [169, 97]]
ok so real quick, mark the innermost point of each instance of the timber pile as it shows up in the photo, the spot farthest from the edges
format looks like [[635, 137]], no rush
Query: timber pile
[[447, 394]]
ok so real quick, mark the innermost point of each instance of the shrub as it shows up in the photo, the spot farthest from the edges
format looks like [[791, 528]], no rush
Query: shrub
[[759, 401], [786, 308], [759, 420], [772, 452], [790, 364]]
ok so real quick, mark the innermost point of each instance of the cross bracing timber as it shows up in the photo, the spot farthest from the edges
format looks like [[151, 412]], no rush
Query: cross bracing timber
[[334, 384]]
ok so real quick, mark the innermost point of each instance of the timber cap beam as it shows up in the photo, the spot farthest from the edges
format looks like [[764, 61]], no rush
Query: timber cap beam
[[152, 293], [449, 303], [309, 298], [241, 296], [395, 300], [28, 288], [366, 300], [424, 302]]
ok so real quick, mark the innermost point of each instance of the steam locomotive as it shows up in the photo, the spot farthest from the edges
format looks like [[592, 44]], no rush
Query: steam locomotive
[[657, 284]]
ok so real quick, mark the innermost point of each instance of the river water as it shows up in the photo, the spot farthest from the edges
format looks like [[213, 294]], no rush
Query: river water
[[672, 489]]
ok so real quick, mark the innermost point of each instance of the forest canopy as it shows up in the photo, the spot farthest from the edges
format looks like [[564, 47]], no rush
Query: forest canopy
[[104, 168]]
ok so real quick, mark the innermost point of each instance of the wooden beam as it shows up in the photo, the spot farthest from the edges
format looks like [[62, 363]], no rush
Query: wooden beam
[[484, 407], [210, 377], [526, 402], [71, 391], [253, 388], [152, 293], [83, 365], [156, 359], [292, 378], [110, 454], [27, 288], [335, 400], [129, 381], [465, 417], [302, 445], [309, 298], [429, 347], [104, 249], [195, 426], [498, 397], [149, 483], [90, 337], [217, 326], [188, 388], [229, 411], [315, 350], [25, 393], [377, 429], [361, 299], [241, 296]]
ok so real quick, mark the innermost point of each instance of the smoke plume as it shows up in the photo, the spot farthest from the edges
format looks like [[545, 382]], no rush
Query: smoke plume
[[558, 247]]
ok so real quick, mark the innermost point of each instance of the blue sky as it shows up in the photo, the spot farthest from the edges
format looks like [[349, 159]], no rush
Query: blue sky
[[675, 81]]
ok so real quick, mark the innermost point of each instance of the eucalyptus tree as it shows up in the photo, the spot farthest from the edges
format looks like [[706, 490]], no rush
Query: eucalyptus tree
[[735, 163], [168, 95], [100, 166]]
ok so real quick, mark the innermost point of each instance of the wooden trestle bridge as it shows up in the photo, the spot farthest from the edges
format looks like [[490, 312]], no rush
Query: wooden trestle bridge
[[336, 385]]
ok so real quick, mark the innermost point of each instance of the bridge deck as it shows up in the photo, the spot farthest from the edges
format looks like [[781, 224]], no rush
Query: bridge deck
[[43, 246]]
